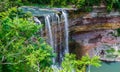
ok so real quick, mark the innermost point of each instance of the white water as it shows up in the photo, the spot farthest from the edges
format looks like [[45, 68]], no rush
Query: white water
[[48, 26], [60, 37], [66, 31], [54, 31], [55, 18], [47, 21], [37, 21]]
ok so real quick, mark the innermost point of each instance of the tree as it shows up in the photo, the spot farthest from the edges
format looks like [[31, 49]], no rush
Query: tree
[[21, 47], [70, 63]]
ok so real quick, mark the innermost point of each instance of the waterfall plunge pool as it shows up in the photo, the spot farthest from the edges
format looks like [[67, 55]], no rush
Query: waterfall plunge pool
[[106, 67]]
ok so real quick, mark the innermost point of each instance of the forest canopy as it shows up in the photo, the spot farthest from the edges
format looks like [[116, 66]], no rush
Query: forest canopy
[[81, 4]]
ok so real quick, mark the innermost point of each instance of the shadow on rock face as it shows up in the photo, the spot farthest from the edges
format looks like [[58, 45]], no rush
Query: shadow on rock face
[[76, 48]]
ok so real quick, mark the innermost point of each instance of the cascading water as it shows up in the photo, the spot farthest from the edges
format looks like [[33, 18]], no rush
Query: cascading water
[[57, 34], [55, 30], [60, 38], [58, 22], [48, 26], [66, 31], [37, 21]]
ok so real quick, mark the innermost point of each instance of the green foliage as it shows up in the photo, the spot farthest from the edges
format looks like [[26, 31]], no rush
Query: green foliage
[[70, 63], [112, 53], [86, 60], [112, 50], [24, 51], [41, 59], [81, 4], [21, 48], [118, 32], [58, 2], [113, 4], [6, 4], [14, 12]]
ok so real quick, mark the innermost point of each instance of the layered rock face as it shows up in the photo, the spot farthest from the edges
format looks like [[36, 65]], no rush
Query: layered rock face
[[94, 29], [88, 30]]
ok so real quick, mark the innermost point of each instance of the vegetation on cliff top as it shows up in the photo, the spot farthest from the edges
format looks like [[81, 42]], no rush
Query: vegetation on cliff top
[[82, 4]]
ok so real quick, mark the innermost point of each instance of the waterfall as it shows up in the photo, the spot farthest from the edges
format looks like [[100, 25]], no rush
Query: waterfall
[[48, 25], [66, 31], [54, 30], [60, 38], [37, 21]]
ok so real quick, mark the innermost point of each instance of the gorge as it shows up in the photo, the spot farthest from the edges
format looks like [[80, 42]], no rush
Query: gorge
[[73, 31]]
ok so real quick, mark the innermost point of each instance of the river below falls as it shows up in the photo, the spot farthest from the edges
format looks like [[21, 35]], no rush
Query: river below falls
[[107, 67]]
